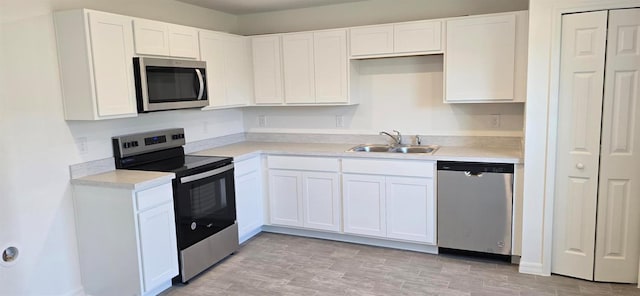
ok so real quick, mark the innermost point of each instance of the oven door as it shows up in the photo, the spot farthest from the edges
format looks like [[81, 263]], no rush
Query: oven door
[[165, 84], [204, 204]]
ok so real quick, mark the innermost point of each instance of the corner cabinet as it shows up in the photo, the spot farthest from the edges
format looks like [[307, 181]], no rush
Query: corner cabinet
[[137, 227], [228, 69], [95, 52], [486, 58], [164, 39], [390, 199], [304, 192], [267, 69]]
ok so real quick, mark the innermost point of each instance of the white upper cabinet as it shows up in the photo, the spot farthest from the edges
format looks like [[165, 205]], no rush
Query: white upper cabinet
[[229, 78], [298, 65], [485, 58], [267, 69], [315, 67], [312, 67], [95, 52], [330, 62], [372, 40], [164, 39], [422, 37]]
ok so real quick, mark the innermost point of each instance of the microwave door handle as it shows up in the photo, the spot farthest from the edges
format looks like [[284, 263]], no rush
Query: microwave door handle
[[201, 83]]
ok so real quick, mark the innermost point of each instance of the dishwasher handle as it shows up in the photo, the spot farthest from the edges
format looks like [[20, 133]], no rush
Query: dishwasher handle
[[473, 174]]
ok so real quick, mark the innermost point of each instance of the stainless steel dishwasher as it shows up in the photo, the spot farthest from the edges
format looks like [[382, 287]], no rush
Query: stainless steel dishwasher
[[475, 206]]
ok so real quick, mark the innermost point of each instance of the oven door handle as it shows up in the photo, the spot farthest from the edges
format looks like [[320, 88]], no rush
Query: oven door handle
[[201, 84], [206, 174]]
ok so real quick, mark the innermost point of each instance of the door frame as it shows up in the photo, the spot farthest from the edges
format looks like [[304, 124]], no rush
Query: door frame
[[564, 7]]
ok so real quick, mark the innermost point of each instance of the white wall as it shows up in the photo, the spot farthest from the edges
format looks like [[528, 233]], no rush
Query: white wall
[[544, 45], [38, 145], [367, 13], [395, 93]]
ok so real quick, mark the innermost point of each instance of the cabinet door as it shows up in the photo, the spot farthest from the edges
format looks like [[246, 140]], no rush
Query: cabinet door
[[480, 59], [248, 203], [212, 51], [330, 62], [371, 40], [158, 248], [297, 61], [112, 51], [285, 188], [183, 42], [411, 209], [321, 200], [238, 69], [418, 37], [364, 205], [152, 38], [267, 70]]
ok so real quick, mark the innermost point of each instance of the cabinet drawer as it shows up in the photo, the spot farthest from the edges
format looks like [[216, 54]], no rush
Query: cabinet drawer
[[388, 167], [303, 163], [154, 196], [247, 166]]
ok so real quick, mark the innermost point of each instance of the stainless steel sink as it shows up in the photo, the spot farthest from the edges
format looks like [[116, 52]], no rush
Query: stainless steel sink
[[429, 149], [415, 149], [371, 148]]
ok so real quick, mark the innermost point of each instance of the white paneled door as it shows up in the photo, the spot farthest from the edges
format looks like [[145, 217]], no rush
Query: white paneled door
[[580, 105], [597, 195], [618, 227]]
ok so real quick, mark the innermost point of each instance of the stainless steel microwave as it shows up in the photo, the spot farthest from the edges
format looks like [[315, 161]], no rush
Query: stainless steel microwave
[[167, 84]]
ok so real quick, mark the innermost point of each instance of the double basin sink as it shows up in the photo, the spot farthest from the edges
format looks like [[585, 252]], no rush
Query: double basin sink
[[412, 149]]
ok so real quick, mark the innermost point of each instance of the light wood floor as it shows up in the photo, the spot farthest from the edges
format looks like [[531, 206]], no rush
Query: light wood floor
[[275, 264]]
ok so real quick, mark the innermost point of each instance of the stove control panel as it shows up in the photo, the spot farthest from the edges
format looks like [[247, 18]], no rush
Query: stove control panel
[[134, 144]]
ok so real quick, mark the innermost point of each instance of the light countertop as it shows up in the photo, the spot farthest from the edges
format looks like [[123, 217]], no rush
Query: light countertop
[[126, 179], [244, 150]]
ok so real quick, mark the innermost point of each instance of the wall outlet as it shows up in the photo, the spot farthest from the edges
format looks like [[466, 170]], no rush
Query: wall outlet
[[339, 121], [262, 120], [494, 120], [81, 144]]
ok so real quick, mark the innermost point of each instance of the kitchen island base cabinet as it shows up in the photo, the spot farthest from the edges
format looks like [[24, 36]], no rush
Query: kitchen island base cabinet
[[126, 239]]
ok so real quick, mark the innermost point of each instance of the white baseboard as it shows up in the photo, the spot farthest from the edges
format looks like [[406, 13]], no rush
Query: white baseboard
[[249, 235], [532, 268], [416, 247]]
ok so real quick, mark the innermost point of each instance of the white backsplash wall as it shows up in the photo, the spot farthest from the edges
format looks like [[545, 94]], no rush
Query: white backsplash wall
[[394, 93]]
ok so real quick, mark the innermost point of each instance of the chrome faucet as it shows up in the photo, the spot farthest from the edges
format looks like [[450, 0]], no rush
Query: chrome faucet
[[418, 140], [397, 139]]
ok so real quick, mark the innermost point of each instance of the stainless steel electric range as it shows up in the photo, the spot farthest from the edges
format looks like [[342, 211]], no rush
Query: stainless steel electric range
[[203, 195]]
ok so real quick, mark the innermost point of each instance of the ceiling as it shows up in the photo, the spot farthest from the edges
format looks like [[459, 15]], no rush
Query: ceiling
[[254, 6]]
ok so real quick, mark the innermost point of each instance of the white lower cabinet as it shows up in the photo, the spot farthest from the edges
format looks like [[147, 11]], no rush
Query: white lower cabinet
[[410, 209], [364, 200], [390, 198], [285, 192], [126, 239], [304, 192], [249, 201]]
